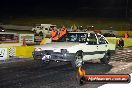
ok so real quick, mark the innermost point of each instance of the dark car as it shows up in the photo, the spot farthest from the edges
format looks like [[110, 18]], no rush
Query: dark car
[[2, 29]]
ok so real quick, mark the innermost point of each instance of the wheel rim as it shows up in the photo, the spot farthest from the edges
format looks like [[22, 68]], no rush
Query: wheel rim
[[108, 58], [78, 61], [47, 61]]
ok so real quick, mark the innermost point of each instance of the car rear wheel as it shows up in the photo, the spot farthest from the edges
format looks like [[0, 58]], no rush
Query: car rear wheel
[[46, 61], [39, 60], [78, 61], [106, 58]]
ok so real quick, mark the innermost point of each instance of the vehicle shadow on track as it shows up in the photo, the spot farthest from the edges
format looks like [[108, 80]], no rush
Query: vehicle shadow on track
[[55, 75], [96, 68], [89, 67]]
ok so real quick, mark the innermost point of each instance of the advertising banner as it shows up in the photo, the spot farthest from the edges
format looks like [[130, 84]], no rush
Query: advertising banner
[[29, 38], [38, 38], [3, 53]]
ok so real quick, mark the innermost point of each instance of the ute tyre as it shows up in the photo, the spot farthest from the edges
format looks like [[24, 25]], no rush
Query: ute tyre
[[45, 62], [39, 61], [78, 61], [105, 59], [36, 61]]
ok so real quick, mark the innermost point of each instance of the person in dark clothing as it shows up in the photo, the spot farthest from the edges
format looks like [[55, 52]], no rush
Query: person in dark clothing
[[121, 43]]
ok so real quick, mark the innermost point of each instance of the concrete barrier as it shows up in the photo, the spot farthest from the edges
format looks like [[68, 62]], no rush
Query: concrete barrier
[[15, 51], [24, 51]]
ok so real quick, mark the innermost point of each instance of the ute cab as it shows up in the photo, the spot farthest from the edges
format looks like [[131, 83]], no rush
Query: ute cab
[[43, 28]]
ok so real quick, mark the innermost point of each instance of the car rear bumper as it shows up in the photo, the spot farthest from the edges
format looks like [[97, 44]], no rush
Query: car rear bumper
[[56, 56]]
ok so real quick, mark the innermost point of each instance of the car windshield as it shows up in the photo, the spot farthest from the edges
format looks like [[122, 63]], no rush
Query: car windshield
[[73, 37], [88, 38]]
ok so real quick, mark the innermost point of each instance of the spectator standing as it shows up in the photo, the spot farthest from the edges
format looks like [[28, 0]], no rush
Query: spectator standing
[[126, 35], [62, 33], [120, 43], [54, 34]]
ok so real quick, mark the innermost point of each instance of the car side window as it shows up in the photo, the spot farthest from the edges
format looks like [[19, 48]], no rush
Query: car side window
[[91, 39], [82, 38], [101, 39], [71, 37]]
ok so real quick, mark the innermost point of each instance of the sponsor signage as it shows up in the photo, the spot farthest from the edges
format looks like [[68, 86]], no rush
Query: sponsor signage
[[29, 38], [3, 53], [83, 78], [38, 38]]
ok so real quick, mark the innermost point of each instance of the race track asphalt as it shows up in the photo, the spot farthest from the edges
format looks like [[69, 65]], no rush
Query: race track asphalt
[[30, 74]]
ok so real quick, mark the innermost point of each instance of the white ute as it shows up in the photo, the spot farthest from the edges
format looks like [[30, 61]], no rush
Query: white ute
[[76, 47], [44, 28]]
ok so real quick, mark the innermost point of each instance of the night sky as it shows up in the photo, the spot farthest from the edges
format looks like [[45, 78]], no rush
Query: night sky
[[102, 8]]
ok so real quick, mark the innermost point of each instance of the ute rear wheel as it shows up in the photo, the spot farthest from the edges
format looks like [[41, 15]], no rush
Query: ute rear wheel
[[40, 61], [78, 61], [106, 58], [45, 61]]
